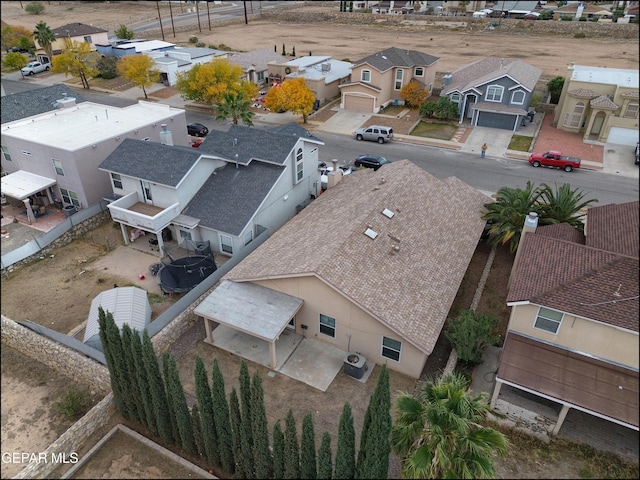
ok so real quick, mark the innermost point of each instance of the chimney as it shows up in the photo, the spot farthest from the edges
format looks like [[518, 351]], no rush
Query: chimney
[[334, 177], [446, 80], [165, 135], [530, 225]]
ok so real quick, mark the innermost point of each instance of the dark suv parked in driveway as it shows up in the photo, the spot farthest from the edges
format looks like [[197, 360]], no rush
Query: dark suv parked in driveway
[[370, 160], [197, 130]]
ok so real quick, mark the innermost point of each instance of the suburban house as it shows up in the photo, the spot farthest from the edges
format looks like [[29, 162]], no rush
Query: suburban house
[[601, 103], [72, 32], [372, 266], [232, 188], [255, 64], [493, 92], [323, 74], [52, 157], [446, 8], [513, 9], [577, 10], [573, 332], [376, 80]]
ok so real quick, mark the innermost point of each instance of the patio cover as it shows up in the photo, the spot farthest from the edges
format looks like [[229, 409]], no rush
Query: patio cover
[[21, 184], [250, 308]]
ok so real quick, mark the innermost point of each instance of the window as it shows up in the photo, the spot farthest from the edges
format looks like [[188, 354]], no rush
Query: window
[[185, 235], [117, 180], [548, 320], [57, 164], [226, 244], [419, 72], [69, 197], [260, 77], [327, 326], [146, 191], [391, 348], [517, 97], [399, 75], [494, 93], [248, 237], [365, 76], [574, 119], [455, 97], [631, 111], [87, 38], [5, 153], [299, 165]]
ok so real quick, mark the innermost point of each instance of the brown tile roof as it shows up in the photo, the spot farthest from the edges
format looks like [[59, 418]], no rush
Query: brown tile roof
[[562, 231], [437, 223], [615, 228], [583, 93], [603, 101]]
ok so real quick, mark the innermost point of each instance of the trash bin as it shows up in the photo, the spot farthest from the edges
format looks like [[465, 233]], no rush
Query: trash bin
[[69, 210]]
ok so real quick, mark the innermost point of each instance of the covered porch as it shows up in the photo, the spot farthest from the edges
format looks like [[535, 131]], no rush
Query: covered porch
[[33, 190]]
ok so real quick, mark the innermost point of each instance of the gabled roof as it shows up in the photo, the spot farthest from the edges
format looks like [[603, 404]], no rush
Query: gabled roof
[[589, 9], [232, 195], [435, 224], [397, 57], [256, 59], [34, 102], [76, 30], [597, 280], [151, 161], [489, 69], [249, 144]]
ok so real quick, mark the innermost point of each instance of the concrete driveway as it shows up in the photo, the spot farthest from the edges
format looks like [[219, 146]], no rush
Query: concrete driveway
[[344, 122]]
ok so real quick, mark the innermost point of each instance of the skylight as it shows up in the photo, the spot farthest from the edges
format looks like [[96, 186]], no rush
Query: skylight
[[370, 233], [388, 213]]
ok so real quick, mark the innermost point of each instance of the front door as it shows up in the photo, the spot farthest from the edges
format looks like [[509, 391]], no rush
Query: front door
[[597, 124], [146, 191], [292, 324]]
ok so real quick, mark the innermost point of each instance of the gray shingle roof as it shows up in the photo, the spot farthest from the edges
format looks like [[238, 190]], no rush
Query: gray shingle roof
[[397, 57], [489, 69], [76, 30], [231, 196], [437, 222], [154, 162], [34, 102], [257, 59]]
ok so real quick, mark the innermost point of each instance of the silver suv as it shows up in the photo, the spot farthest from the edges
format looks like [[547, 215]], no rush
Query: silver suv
[[374, 133]]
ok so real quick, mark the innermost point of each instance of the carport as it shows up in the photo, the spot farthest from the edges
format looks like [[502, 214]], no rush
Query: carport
[[252, 309], [21, 185]]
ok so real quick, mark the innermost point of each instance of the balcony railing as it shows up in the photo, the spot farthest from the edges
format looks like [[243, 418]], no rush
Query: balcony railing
[[131, 211]]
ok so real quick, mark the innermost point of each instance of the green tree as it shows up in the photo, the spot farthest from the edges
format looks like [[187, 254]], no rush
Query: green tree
[[124, 33], [134, 399], [555, 86], [246, 435], [443, 109], [107, 67], [325, 465], [291, 448], [140, 70], [262, 460], [207, 422], [346, 449], [308, 466], [563, 205], [14, 61], [178, 402], [45, 37], [34, 8], [142, 383], [293, 52], [198, 439], [284, 51], [17, 36], [236, 106], [236, 422], [278, 451], [77, 60], [156, 386], [470, 332], [222, 419], [112, 348], [438, 434]]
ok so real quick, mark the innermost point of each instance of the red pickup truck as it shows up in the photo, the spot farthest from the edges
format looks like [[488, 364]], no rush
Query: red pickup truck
[[554, 158]]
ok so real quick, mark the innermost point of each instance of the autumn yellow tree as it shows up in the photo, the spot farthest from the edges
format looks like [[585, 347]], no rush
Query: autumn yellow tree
[[139, 69], [207, 82], [77, 60], [293, 95], [414, 93]]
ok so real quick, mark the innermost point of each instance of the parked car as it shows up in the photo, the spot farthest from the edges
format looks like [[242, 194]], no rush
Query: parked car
[[370, 160], [197, 130], [374, 133], [35, 67], [638, 153], [555, 159]]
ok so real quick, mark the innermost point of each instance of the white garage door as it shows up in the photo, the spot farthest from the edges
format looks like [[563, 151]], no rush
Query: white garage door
[[623, 136], [362, 104]]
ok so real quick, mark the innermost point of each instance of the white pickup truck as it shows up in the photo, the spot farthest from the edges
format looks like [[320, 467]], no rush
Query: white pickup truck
[[35, 67]]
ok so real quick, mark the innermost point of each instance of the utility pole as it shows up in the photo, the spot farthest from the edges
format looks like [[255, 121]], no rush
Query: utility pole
[[209, 16], [246, 21], [172, 25], [160, 20], [198, 12]]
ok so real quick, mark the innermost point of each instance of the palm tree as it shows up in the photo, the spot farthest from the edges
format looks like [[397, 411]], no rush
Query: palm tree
[[236, 106], [45, 37], [508, 213], [563, 206], [437, 434]]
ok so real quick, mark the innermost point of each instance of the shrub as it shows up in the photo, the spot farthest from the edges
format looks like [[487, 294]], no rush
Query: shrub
[[470, 332], [193, 39], [107, 67], [34, 8], [200, 44], [123, 32], [73, 403], [579, 35]]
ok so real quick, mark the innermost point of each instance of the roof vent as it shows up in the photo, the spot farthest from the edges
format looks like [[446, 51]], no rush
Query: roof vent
[[394, 249], [326, 67]]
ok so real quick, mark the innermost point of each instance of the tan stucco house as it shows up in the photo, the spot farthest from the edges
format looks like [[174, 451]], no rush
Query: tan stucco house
[[73, 32], [376, 80], [573, 332], [601, 104], [372, 266]]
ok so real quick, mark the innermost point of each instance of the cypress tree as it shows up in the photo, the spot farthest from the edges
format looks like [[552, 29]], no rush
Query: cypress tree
[[346, 449], [112, 348], [222, 419], [197, 430], [234, 412], [179, 401], [246, 435], [156, 386], [278, 451], [325, 467], [207, 423], [170, 398], [142, 383], [291, 448], [259, 429], [284, 51], [133, 400], [293, 52], [308, 467]]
